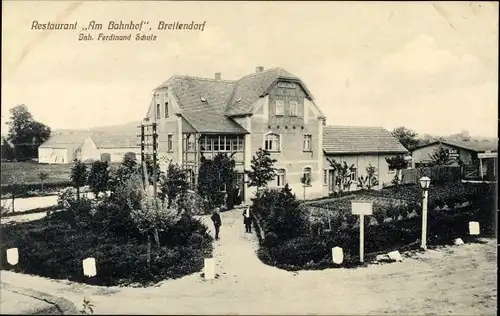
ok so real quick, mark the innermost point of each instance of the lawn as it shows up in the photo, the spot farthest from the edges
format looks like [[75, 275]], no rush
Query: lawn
[[31, 169]]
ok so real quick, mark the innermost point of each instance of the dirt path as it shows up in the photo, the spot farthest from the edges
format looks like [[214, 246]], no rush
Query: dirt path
[[457, 280]]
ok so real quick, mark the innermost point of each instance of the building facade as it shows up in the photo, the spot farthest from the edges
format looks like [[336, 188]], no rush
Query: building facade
[[270, 109]]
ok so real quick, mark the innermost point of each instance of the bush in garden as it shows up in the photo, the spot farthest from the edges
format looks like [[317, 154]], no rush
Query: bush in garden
[[98, 178], [66, 197], [280, 213], [79, 176], [173, 184]]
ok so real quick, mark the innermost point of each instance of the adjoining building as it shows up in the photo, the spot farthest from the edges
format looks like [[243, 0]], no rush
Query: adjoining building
[[270, 109]]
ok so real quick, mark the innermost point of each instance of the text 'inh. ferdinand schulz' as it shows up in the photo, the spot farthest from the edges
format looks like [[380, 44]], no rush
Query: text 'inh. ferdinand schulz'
[[119, 30]]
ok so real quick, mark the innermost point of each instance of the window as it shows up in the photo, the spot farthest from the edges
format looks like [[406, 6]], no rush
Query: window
[[158, 111], [272, 142], [190, 143], [222, 188], [307, 176], [325, 176], [170, 142], [306, 146], [166, 109], [237, 144], [191, 177], [294, 108], [280, 107], [280, 178], [354, 173]]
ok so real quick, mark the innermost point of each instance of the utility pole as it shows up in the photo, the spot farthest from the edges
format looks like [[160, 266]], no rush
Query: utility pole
[[155, 148]]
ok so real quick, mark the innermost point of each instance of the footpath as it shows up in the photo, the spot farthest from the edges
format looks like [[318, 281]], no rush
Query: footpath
[[456, 280]]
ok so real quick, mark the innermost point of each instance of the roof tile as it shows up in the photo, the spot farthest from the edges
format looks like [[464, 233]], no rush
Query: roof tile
[[359, 139]]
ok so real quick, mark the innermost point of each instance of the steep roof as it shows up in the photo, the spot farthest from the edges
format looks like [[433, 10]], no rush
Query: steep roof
[[65, 140], [222, 99], [359, 139], [213, 122], [249, 88]]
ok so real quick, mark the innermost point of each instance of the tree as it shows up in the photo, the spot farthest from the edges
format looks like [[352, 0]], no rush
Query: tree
[[397, 163], [406, 137], [215, 178], [370, 180], [98, 178], [26, 134], [262, 170], [79, 176], [42, 175], [17, 184], [173, 184], [343, 172], [7, 150], [440, 157]]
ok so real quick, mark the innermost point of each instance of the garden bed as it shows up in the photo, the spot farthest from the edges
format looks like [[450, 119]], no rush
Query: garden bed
[[55, 246], [395, 223], [315, 252]]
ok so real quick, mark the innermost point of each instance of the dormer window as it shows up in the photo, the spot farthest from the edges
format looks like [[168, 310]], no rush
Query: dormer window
[[203, 100]]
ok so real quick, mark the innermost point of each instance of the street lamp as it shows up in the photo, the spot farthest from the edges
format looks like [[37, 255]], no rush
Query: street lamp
[[425, 183]]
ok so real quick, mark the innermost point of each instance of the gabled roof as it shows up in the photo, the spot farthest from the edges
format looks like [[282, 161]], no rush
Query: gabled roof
[[222, 99], [65, 140], [359, 139], [212, 122], [249, 88]]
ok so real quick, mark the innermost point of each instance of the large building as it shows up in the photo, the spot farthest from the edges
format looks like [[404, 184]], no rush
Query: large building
[[272, 109]]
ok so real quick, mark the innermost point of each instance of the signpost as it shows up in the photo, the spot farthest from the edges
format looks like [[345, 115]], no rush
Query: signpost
[[361, 208]]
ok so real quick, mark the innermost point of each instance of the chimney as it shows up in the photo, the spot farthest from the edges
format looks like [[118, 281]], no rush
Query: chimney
[[259, 69], [218, 76]]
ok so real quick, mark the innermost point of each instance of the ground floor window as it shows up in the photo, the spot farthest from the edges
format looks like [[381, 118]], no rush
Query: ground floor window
[[307, 176], [280, 178]]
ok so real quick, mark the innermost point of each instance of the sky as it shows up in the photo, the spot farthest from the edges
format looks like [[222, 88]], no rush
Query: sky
[[428, 66]]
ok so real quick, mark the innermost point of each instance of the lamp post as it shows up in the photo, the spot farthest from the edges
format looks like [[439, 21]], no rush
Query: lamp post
[[425, 182]]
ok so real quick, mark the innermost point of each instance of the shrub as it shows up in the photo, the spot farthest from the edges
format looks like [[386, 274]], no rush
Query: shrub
[[280, 214]]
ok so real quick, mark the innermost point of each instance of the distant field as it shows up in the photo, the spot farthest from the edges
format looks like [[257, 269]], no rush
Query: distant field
[[56, 172]]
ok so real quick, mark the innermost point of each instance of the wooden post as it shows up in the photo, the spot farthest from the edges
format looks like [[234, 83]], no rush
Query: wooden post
[[361, 237], [481, 168], [362, 208], [424, 220]]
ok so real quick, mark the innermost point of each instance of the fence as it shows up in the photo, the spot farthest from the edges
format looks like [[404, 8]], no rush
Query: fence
[[437, 174]]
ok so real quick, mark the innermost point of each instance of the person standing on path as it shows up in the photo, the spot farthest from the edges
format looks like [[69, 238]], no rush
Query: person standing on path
[[247, 219], [217, 222]]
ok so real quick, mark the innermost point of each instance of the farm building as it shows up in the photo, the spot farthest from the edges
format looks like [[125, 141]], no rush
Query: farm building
[[359, 147], [60, 148], [66, 147]]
